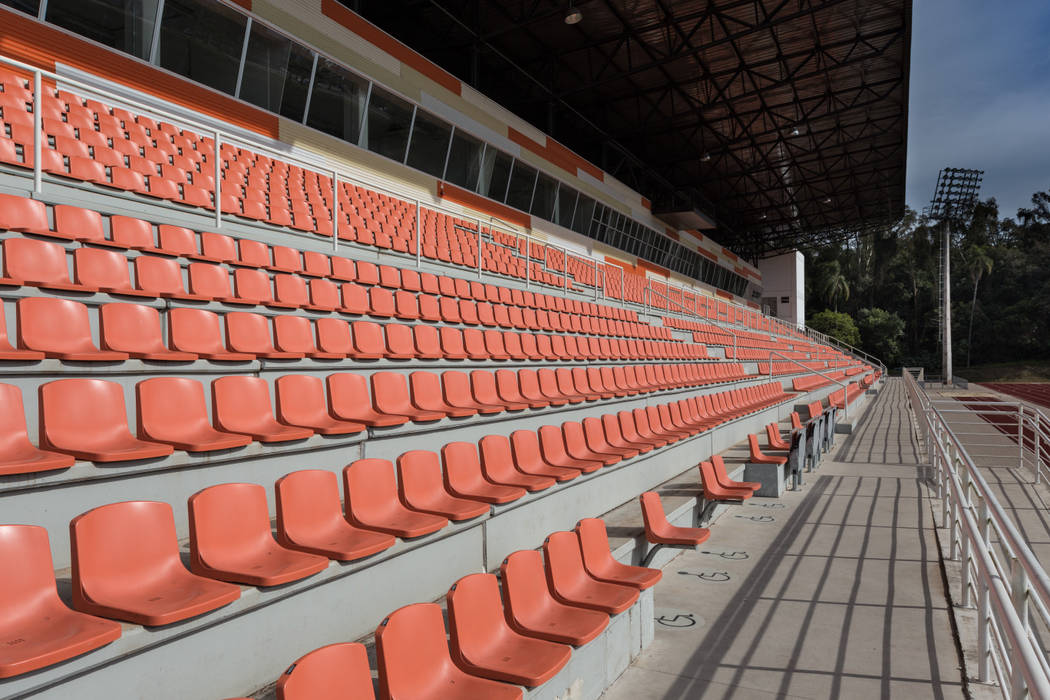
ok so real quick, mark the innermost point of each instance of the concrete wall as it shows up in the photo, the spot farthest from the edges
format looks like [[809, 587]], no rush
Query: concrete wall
[[784, 282]]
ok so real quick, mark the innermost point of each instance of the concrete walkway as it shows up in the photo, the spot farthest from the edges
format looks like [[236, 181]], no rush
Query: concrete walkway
[[840, 594]]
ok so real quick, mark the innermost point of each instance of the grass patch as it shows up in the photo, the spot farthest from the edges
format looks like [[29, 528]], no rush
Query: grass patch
[[1029, 371]]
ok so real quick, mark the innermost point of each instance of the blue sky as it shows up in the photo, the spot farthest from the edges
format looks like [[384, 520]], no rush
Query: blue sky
[[980, 97]]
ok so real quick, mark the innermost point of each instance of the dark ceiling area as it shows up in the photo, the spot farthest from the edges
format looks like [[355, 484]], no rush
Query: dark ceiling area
[[784, 120]]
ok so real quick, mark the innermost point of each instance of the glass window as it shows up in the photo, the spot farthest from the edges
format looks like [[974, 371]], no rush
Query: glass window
[[31, 7], [522, 182], [337, 103], [495, 174], [581, 221], [276, 73], [464, 160], [389, 120], [566, 205], [202, 40], [125, 25], [543, 199], [429, 144]]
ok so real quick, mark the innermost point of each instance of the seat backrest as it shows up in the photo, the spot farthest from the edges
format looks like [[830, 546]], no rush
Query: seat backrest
[[249, 252], [38, 261], [119, 546], [27, 586], [653, 515], [369, 488], [475, 612], [195, 330], [82, 224], [411, 651], [130, 328], [293, 334], [308, 503], [82, 412], [248, 332], [95, 267], [158, 275], [419, 477], [229, 521], [241, 401], [333, 672], [131, 232], [177, 239], [594, 544], [564, 560], [170, 406], [54, 325]]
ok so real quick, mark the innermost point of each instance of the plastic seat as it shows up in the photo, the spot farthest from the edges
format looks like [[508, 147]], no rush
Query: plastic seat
[[456, 390], [348, 399], [576, 446], [59, 328], [758, 457], [483, 387], [774, 439], [497, 463], [659, 531], [483, 644], [40, 628], [428, 396], [552, 444], [39, 264], [295, 334], [252, 286], [596, 439], [17, 454], [333, 672], [198, 331], [130, 232], [371, 498], [570, 583], [211, 281], [722, 476], [250, 334], [301, 403], [104, 270], [174, 411], [368, 342], [126, 565], [241, 404], [310, 518], [414, 661], [87, 419], [390, 396], [465, 478], [528, 457], [422, 488], [22, 214], [135, 329], [230, 539], [162, 277], [714, 490], [530, 608], [508, 389], [599, 562]]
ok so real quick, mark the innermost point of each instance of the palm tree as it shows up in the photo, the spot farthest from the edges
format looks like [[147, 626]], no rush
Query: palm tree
[[978, 264], [835, 284]]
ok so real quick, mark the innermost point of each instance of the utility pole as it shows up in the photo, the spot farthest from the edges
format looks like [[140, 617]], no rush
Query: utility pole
[[953, 200]]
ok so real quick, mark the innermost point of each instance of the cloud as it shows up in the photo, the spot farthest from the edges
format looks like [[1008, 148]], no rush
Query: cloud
[[980, 98]]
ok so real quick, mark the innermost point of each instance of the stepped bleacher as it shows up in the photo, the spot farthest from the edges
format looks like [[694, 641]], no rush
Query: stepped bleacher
[[215, 438]]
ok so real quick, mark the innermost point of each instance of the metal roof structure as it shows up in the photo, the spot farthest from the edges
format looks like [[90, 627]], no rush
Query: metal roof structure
[[783, 120]]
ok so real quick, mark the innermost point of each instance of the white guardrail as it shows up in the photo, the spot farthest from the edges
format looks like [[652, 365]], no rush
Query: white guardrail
[[998, 567]]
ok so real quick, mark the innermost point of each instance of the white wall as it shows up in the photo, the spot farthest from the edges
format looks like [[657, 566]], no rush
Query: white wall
[[783, 285]]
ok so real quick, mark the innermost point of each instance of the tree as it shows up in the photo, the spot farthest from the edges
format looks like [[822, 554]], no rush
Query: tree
[[881, 332], [836, 285], [978, 264], [837, 325]]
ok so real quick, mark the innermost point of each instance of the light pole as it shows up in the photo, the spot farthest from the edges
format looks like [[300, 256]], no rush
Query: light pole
[[953, 200]]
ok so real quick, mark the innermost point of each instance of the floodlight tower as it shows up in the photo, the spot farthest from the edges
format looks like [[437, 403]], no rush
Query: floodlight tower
[[953, 201]]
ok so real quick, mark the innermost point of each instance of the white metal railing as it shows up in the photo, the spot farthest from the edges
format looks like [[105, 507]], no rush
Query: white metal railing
[[997, 565], [336, 171]]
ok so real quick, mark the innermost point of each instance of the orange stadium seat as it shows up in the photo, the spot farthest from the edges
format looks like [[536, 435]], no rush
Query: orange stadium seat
[[135, 329], [242, 405], [464, 477], [570, 583], [372, 502], [333, 672], [174, 411], [422, 488], [17, 454]]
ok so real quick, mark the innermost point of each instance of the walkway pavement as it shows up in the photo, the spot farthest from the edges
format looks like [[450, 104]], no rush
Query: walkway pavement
[[840, 594]]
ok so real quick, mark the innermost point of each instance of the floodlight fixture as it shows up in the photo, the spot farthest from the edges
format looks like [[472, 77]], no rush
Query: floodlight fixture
[[573, 16], [956, 193]]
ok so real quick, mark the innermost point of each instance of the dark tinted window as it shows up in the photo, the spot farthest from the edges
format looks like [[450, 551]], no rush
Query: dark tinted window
[[337, 103], [495, 173], [31, 7], [429, 144], [566, 205], [522, 182], [389, 119], [276, 73], [543, 199], [202, 40], [581, 221], [125, 25], [464, 160]]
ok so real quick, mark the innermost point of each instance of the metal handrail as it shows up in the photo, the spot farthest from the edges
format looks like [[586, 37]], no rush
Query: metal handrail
[[322, 165], [845, 404], [958, 480]]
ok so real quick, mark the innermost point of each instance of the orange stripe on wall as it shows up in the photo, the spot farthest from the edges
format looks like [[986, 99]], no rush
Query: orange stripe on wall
[[483, 204], [376, 36], [34, 42], [555, 153], [246, 4]]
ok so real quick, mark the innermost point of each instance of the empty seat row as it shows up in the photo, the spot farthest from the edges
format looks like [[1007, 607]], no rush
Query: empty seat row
[[61, 329], [515, 630], [86, 418]]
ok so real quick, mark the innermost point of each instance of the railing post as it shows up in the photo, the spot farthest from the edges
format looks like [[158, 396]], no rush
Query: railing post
[[949, 459], [964, 503], [1020, 437], [38, 133], [479, 248], [419, 236], [596, 280], [528, 260], [565, 270], [984, 650], [1019, 598], [218, 181], [335, 211]]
